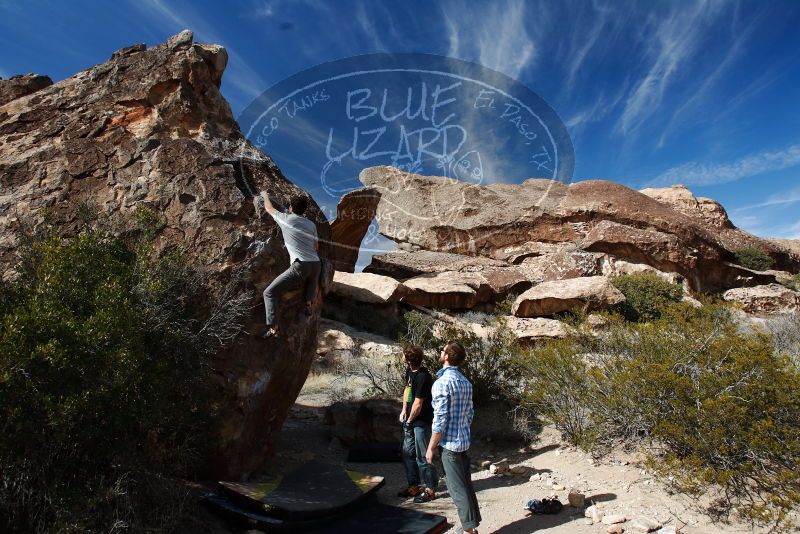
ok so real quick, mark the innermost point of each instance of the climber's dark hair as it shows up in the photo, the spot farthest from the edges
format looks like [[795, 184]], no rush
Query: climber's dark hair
[[299, 203]]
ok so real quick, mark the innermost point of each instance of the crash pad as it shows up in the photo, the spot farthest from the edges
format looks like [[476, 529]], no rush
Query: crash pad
[[372, 517], [314, 489]]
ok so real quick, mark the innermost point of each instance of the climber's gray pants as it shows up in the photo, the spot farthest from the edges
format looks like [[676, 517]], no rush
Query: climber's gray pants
[[299, 272]]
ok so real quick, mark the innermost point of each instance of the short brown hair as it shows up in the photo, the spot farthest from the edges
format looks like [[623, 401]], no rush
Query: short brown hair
[[299, 204], [413, 355], [456, 353]]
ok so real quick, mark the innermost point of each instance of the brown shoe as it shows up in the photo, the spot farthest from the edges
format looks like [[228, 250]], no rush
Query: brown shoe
[[410, 491]]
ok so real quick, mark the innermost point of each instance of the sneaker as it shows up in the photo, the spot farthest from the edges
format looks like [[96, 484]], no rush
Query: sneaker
[[410, 491], [426, 496]]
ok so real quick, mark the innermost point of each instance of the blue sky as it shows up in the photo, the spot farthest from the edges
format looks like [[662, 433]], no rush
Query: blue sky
[[705, 93]]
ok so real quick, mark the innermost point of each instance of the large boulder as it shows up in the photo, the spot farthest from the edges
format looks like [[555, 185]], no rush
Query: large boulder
[[339, 343], [367, 287], [354, 214], [683, 200], [22, 85], [450, 289], [365, 421], [150, 129], [503, 221], [549, 298], [528, 329], [402, 264], [765, 300], [561, 265]]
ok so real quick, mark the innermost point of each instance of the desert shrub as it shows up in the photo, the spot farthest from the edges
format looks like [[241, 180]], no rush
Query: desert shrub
[[558, 387], [754, 258], [646, 295], [492, 363], [793, 282], [104, 384], [376, 377], [785, 333], [718, 407]]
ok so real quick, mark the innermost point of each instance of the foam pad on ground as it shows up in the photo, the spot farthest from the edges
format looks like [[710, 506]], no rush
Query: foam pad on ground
[[373, 517], [314, 489]]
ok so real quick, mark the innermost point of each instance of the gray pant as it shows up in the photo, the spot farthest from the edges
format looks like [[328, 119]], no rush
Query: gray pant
[[459, 484], [299, 272]]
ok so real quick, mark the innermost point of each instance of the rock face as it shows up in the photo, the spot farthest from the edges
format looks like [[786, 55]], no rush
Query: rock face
[[680, 198], [149, 128], [367, 287], [367, 421], [529, 329], [338, 342], [354, 215], [514, 222], [763, 300], [549, 298], [22, 85]]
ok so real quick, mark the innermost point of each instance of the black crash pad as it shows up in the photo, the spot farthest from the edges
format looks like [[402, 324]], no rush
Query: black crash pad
[[372, 517], [313, 490]]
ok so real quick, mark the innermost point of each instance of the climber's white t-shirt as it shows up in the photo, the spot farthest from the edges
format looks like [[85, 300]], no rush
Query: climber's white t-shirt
[[299, 236]]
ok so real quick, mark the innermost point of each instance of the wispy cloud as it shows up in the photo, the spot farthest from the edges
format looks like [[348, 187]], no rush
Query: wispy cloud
[[784, 198], [4, 74], [702, 93], [675, 39], [701, 174], [599, 109], [262, 9], [760, 226], [494, 34]]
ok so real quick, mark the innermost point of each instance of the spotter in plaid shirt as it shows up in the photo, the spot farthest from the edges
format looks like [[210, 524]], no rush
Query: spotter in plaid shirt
[[452, 408]]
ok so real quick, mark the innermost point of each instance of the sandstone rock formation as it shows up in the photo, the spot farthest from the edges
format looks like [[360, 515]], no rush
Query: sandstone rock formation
[[680, 198], [367, 287], [764, 300], [533, 329], [149, 128], [549, 298], [22, 85], [338, 343], [514, 222], [354, 214], [792, 245]]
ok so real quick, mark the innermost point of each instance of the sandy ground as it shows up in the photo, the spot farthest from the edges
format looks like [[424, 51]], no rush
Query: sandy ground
[[615, 482]]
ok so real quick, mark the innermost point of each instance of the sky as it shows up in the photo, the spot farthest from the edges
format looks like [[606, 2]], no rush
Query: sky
[[652, 93]]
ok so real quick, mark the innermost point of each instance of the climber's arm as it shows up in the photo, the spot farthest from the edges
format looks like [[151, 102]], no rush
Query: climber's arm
[[269, 205]]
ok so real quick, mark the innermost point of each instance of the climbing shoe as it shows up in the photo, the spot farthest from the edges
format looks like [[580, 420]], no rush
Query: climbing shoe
[[410, 491], [427, 495]]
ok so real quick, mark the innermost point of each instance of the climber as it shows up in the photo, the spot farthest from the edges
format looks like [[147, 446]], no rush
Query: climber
[[300, 238]]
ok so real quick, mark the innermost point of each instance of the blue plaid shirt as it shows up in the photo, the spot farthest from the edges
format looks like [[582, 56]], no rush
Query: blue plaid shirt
[[452, 408]]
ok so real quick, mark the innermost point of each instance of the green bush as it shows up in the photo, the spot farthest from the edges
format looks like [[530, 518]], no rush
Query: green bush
[[793, 282], [646, 295], [718, 407], [754, 258], [104, 384], [492, 363]]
